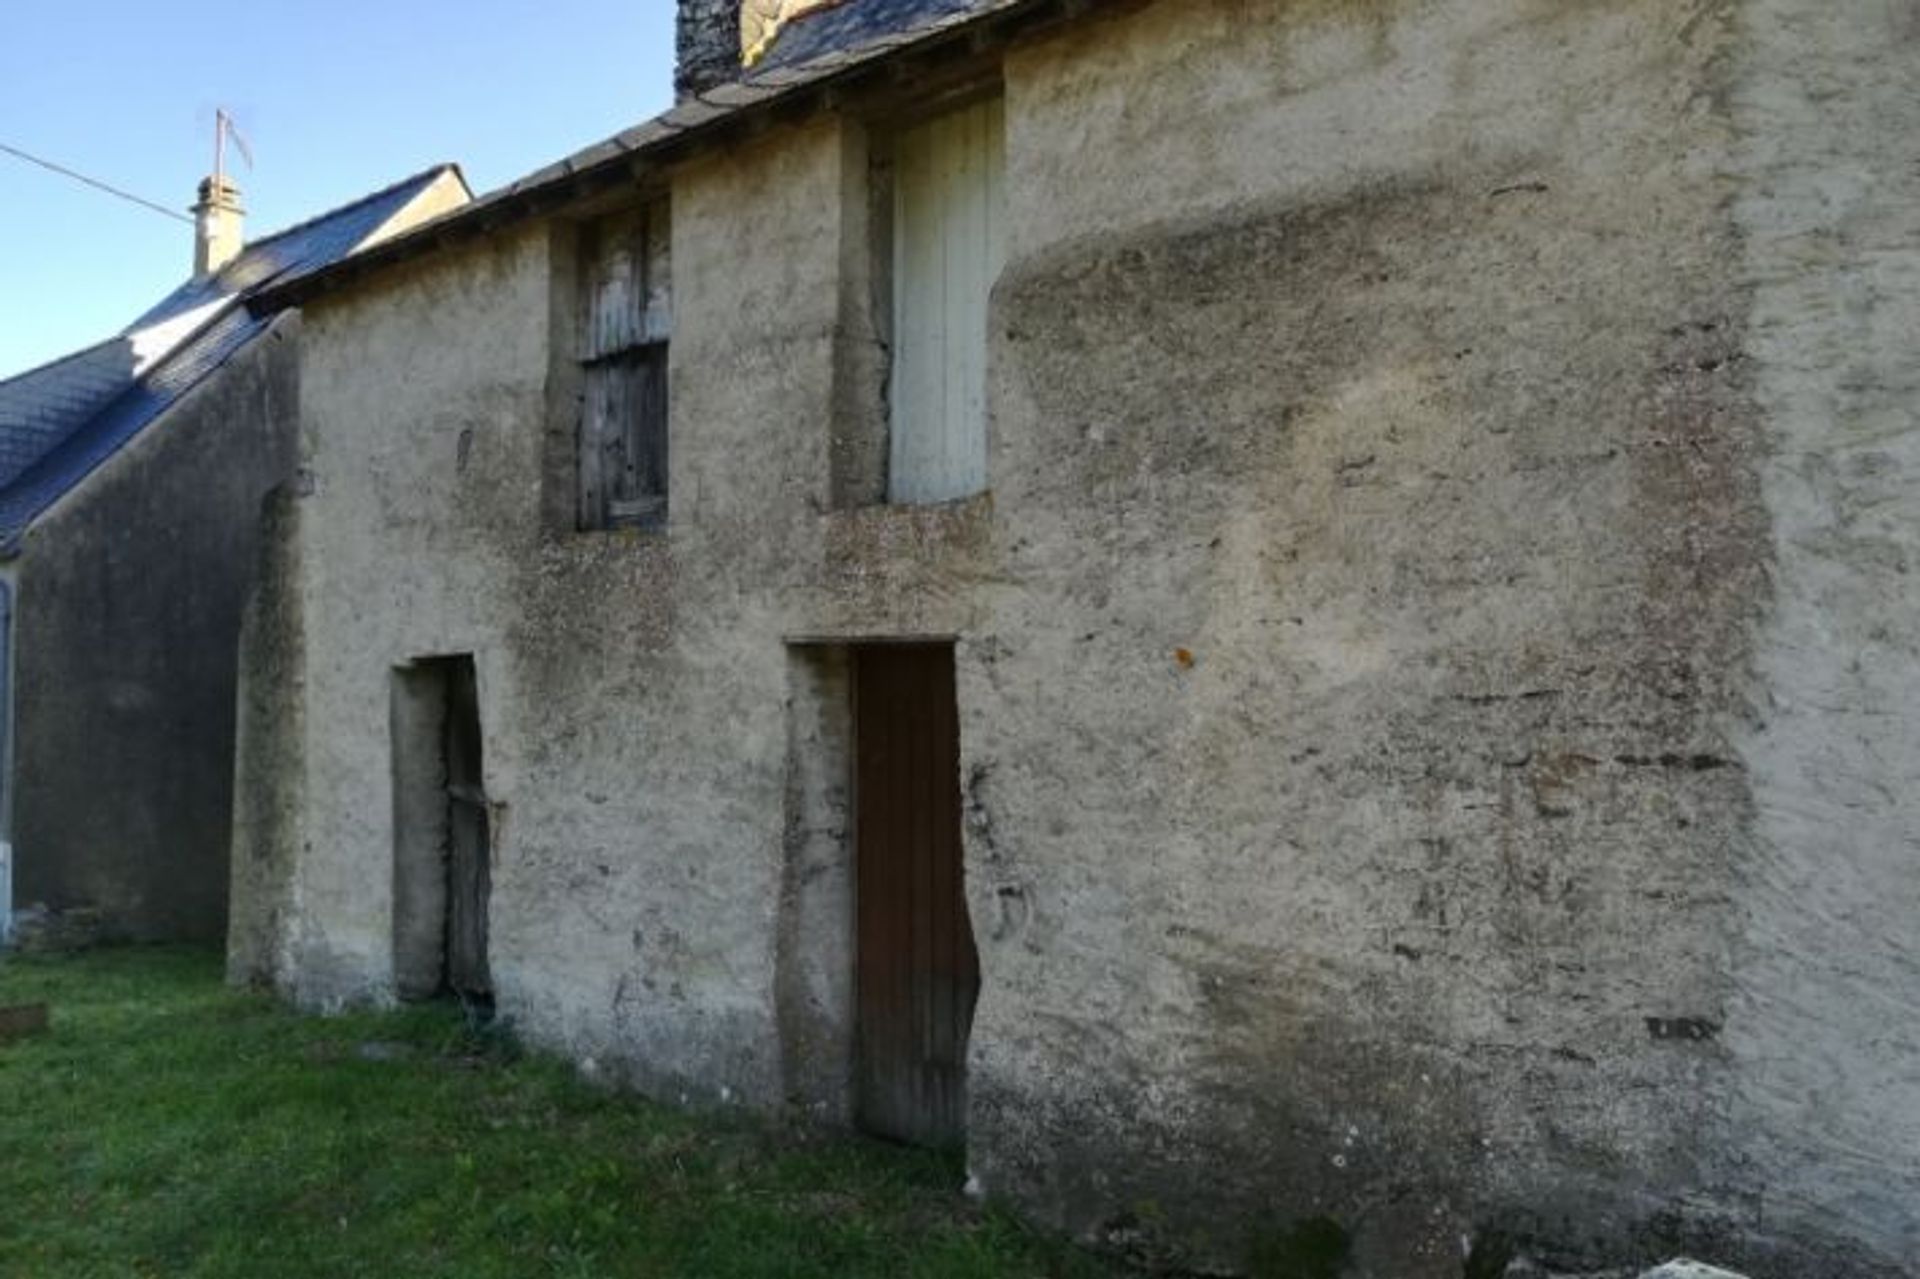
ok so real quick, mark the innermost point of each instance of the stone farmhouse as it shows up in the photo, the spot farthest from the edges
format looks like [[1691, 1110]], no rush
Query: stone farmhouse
[[1282, 616], [131, 480]]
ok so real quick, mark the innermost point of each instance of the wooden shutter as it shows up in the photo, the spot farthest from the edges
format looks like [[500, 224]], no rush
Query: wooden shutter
[[629, 317], [949, 242]]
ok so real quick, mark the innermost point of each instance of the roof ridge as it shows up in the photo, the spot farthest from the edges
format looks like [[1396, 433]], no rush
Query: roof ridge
[[57, 360], [432, 171]]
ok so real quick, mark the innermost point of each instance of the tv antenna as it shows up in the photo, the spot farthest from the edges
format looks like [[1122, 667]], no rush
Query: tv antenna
[[225, 130]]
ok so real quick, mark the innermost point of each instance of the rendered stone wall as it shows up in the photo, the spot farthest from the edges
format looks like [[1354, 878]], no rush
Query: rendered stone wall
[[1825, 967], [1398, 713]]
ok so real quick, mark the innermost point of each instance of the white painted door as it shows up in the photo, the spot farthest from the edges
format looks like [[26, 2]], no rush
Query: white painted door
[[949, 240]]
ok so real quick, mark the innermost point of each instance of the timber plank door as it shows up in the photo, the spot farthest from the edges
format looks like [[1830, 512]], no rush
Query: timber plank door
[[469, 875], [917, 974]]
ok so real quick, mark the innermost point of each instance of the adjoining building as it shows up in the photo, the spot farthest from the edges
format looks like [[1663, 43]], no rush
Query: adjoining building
[[131, 481], [1289, 618]]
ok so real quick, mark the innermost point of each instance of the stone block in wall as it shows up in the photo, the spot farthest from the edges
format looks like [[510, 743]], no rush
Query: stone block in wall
[[40, 930]]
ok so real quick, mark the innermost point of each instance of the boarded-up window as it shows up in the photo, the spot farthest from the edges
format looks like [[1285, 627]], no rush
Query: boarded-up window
[[628, 287], [948, 244]]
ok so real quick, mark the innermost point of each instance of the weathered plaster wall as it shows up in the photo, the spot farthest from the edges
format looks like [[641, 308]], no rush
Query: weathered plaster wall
[[1822, 1023], [1372, 813], [269, 764], [639, 860], [444, 194], [814, 987], [128, 622], [1403, 901]]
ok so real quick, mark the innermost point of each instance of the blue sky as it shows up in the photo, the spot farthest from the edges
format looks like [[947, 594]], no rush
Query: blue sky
[[337, 98]]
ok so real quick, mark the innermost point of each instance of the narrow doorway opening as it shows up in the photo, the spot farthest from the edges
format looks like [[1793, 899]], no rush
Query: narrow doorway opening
[[916, 971], [442, 845]]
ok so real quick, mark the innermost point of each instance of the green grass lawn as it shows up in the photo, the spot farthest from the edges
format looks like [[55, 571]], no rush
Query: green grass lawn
[[166, 1125]]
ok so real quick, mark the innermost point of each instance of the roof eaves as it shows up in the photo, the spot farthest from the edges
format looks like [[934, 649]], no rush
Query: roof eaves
[[713, 117]]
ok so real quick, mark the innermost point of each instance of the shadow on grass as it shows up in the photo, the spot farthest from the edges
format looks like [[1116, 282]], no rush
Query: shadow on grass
[[166, 1125]]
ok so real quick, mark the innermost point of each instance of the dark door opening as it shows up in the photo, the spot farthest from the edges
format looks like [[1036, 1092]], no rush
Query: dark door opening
[[469, 877], [442, 842], [917, 974]]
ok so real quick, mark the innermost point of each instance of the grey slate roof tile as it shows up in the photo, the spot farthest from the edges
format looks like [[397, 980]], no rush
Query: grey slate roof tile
[[737, 94], [595, 155], [693, 113], [778, 77], [40, 407], [644, 134], [71, 459]]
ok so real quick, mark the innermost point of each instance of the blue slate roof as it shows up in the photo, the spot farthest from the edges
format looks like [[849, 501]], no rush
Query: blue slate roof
[[39, 408], [60, 421], [853, 23], [295, 251], [99, 437]]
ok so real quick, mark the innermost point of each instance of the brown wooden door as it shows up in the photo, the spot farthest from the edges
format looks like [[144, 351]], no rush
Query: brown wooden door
[[917, 973], [469, 845]]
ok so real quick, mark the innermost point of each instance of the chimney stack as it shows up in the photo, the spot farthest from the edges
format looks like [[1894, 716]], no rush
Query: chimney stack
[[707, 45], [217, 235]]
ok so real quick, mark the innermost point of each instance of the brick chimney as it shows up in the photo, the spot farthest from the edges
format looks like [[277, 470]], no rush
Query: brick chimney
[[217, 226], [707, 45]]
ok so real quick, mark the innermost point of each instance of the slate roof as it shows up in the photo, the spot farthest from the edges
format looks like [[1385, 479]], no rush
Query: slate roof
[[854, 23], [60, 421], [305, 247], [39, 407], [875, 28], [817, 52]]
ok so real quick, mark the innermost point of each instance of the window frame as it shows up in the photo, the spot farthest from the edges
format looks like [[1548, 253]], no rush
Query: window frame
[[622, 358]]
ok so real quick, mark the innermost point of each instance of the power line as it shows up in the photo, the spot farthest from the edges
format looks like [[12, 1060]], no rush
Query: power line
[[94, 182]]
